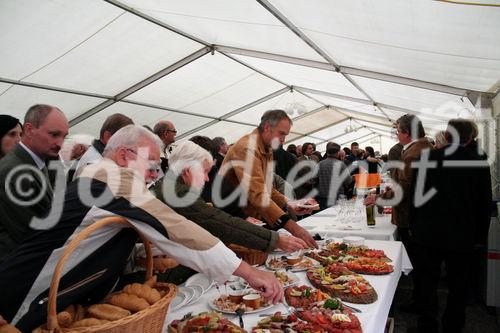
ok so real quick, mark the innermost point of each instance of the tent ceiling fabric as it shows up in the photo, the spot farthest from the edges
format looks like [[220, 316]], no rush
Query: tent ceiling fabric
[[307, 55], [294, 102], [417, 39], [141, 115], [212, 85], [244, 24], [314, 122], [15, 100], [296, 75]]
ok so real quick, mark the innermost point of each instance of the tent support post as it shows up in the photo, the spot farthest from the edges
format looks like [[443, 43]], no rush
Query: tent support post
[[496, 150]]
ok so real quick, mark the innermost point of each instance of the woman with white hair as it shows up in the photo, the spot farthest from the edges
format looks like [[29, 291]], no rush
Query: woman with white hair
[[189, 165], [440, 139]]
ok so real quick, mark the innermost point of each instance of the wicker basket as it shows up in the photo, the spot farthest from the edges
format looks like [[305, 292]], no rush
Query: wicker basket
[[252, 257], [148, 321]]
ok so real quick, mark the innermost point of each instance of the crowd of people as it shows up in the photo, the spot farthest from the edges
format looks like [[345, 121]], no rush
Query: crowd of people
[[194, 198]]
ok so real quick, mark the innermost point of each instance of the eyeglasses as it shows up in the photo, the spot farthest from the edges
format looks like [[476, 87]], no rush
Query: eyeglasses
[[153, 165], [172, 131]]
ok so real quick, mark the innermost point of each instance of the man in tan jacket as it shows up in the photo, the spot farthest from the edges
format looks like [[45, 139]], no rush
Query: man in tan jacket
[[248, 165]]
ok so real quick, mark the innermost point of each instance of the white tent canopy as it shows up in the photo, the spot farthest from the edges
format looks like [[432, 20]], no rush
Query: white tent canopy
[[213, 67]]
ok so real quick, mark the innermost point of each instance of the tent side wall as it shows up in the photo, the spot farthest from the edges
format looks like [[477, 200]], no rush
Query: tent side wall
[[496, 131]]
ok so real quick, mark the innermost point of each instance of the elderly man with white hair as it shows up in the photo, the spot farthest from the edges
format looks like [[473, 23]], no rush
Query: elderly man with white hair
[[181, 188], [113, 187]]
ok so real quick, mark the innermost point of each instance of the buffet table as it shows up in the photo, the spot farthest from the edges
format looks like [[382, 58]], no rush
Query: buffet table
[[373, 317], [327, 224]]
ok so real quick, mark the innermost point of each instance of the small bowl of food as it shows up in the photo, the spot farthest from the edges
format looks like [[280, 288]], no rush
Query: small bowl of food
[[236, 296], [293, 259], [252, 300]]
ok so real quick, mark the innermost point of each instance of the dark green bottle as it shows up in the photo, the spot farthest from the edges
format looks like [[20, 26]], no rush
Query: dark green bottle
[[370, 215]]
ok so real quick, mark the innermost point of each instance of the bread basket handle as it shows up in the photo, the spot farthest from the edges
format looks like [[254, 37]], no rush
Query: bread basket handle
[[52, 323]]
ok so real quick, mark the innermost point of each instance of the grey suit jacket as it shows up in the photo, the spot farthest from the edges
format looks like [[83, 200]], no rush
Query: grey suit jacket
[[25, 185]]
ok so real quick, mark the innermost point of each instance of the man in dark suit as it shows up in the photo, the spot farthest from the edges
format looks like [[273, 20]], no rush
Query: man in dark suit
[[285, 161], [448, 226], [26, 189], [221, 148], [166, 132], [308, 162]]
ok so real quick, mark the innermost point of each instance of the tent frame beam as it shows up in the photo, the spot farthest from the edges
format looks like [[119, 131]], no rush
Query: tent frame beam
[[366, 102], [52, 88], [127, 92], [283, 19], [235, 112], [155, 21], [317, 130], [374, 135], [384, 125]]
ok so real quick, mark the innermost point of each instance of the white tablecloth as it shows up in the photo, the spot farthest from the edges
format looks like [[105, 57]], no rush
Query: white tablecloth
[[373, 317], [326, 223]]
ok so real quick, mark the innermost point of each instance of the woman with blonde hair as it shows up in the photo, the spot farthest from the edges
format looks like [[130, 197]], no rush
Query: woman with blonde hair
[[440, 140]]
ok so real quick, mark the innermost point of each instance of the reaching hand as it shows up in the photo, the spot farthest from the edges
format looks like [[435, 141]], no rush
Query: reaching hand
[[290, 243], [267, 284], [301, 233], [295, 206], [253, 220], [370, 200]]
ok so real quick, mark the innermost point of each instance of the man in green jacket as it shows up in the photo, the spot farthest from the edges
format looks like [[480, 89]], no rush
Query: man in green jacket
[[187, 179]]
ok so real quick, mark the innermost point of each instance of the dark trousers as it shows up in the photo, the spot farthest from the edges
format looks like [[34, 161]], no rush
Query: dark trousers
[[405, 238], [428, 271]]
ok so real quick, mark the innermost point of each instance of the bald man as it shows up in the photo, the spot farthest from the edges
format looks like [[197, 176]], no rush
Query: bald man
[[166, 131]]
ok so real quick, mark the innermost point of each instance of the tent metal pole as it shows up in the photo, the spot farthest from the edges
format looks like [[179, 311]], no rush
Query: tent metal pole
[[254, 103], [158, 107], [346, 70], [52, 88], [255, 69], [179, 64], [237, 111], [197, 129], [379, 136], [388, 126], [347, 74], [274, 11], [330, 94], [321, 108], [417, 113], [497, 151], [317, 130], [366, 102], [155, 21], [213, 119]]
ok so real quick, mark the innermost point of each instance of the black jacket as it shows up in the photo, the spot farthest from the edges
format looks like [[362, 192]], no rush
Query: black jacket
[[15, 218], [457, 217], [285, 161]]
